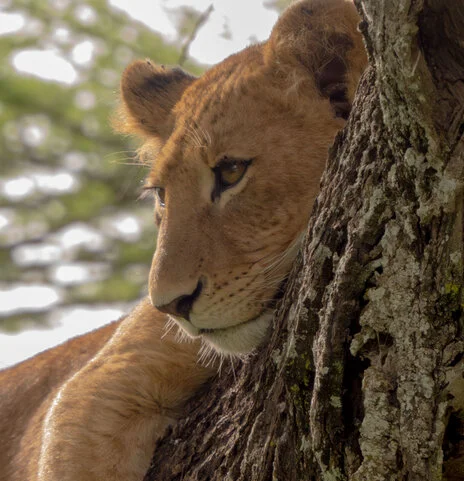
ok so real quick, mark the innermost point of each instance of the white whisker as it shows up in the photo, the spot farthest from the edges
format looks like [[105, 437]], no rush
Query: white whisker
[[208, 356], [195, 137], [233, 368], [168, 327]]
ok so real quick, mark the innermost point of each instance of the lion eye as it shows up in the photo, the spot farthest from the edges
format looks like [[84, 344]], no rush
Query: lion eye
[[227, 174], [160, 194], [230, 173]]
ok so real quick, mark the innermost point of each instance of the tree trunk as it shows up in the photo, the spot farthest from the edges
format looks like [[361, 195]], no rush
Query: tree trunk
[[362, 378]]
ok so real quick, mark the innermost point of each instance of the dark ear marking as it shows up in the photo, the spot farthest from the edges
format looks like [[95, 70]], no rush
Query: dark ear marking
[[149, 94], [165, 79], [331, 76]]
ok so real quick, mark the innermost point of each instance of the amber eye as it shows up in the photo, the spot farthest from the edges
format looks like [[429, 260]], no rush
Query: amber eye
[[231, 173], [160, 195], [228, 173]]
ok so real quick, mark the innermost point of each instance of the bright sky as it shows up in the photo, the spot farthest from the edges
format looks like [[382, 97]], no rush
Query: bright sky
[[69, 322], [243, 20]]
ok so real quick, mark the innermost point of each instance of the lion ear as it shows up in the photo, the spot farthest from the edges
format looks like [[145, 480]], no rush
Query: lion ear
[[149, 94], [321, 37]]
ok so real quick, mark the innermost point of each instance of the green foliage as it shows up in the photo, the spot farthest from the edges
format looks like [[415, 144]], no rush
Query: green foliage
[[89, 201], [116, 289]]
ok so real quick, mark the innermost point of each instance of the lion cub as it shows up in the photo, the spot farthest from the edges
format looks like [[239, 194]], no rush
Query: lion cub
[[236, 158]]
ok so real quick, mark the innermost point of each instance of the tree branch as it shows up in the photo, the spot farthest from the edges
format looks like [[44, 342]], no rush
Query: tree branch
[[202, 19]]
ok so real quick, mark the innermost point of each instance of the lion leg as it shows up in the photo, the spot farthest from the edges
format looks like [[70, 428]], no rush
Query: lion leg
[[107, 443], [104, 422]]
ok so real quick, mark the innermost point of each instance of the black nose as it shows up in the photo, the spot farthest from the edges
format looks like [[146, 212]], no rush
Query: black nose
[[182, 305]]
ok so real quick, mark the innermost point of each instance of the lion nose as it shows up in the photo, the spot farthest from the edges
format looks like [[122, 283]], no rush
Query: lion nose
[[182, 305]]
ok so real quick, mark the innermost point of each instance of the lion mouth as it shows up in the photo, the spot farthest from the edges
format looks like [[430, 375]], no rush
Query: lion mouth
[[240, 324], [237, 339], [246, 335]]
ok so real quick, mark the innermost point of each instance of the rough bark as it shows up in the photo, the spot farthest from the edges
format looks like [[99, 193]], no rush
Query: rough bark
[[362, 378]]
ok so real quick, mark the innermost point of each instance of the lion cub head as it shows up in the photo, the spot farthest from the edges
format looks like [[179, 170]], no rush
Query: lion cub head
[[237, 156]]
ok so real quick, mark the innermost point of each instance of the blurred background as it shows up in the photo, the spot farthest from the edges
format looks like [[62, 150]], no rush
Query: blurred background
[[75, 241]]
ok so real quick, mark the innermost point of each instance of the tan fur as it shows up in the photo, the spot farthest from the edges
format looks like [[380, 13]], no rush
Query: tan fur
[[93, 408]]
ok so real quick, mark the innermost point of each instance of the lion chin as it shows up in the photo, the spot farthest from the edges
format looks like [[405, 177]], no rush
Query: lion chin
[[237, 340]]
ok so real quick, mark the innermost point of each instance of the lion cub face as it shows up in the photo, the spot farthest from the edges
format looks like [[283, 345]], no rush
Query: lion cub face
[[239, 155]]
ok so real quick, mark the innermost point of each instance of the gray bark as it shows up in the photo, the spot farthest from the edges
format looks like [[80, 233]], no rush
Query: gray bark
[[362, 378]]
